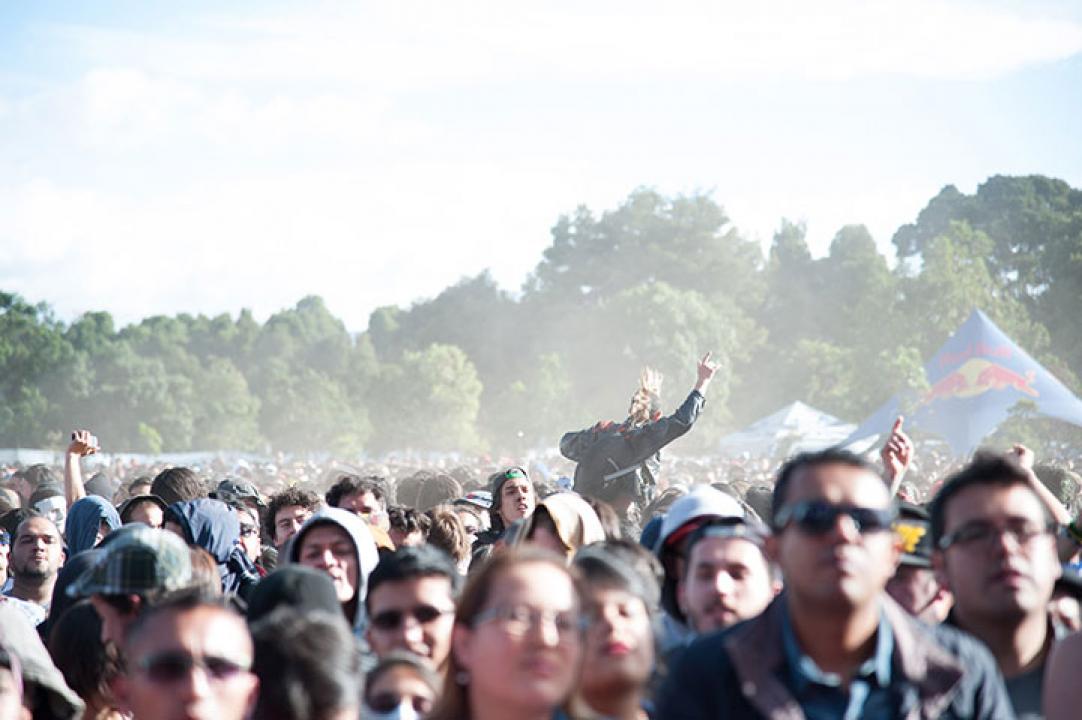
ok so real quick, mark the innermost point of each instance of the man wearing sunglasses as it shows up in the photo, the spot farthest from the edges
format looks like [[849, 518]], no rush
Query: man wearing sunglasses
[[411, 603], [833, 644], [188, 658], [995, 549]]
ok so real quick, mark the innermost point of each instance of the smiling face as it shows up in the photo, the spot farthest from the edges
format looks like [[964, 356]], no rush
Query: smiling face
[[329, 548], [526, 656]]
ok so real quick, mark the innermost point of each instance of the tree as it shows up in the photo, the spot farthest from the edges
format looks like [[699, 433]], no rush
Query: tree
[[427, 401]]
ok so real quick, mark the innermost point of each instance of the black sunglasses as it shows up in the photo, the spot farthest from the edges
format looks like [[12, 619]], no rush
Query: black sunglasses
[[818, 517], [172, 666], [393, 619]]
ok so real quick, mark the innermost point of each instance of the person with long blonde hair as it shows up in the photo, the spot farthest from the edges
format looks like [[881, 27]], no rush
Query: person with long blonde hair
[[617, 462]]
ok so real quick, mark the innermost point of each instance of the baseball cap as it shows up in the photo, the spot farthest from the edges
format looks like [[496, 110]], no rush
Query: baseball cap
[[137, 560], [701, 503], [477, 498], [233, 489], [913, 526]]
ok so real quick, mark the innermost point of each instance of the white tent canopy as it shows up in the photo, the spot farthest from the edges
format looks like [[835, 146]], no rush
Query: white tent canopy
[[795, 428]]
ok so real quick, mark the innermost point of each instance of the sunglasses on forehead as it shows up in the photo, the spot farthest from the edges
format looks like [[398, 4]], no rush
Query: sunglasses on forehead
[[818, 517]]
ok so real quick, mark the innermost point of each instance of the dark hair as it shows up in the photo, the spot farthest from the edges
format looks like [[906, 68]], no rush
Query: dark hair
[[413, 562], [447, 533], [287, 498], [407, 520], [308, 666], [805, 460], [77, 651], [453, 703], [401, 658], [987, 470], [178, 484], [182, 600], [625, 565], [38, 475], [350, 484], [437, 490]]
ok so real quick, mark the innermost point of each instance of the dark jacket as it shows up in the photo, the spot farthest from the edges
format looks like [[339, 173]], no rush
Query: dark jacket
[[617, 459], [738, 673]]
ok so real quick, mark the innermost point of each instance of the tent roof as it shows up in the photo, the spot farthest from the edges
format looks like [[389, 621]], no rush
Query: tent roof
[[797, 424]]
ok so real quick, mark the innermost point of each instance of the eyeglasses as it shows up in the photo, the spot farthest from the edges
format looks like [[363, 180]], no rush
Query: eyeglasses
[[172, 666], [519, 620], [818, 517], [393, 619], [984, 534]]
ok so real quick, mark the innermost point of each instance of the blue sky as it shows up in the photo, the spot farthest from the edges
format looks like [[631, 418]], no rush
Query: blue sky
[[204, 157]]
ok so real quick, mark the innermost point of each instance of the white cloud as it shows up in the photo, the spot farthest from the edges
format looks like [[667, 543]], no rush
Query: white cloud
[[246, 161]]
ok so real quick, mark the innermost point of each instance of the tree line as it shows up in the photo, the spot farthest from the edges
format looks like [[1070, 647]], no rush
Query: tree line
[[654, 281]]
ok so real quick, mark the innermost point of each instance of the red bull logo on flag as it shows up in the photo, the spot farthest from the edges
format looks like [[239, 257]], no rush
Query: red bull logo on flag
[[977, 377]]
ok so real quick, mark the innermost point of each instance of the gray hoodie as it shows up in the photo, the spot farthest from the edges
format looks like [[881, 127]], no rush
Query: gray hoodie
[[363, 544]]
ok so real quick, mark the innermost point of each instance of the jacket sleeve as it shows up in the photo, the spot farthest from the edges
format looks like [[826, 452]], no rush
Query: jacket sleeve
[[573, 445], [650, 438]]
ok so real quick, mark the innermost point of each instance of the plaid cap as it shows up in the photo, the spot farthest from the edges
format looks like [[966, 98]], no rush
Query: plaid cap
[[136, 561], [234, 489]]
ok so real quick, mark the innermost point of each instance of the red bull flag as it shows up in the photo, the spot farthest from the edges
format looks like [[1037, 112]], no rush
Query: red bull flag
[[974, 380]]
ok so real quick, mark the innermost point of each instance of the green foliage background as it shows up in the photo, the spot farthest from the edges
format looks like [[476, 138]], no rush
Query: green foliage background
[[656, 281]]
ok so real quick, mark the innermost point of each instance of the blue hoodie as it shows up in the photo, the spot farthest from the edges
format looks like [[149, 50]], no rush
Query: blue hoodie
[[213, 526], [84, 519]]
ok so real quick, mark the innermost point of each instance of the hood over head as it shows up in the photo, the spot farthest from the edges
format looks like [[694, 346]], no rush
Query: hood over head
[[85, 517], [214, 526], [363, 545]]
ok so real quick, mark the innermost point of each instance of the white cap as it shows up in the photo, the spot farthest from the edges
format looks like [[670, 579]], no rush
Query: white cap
[[703, 501]]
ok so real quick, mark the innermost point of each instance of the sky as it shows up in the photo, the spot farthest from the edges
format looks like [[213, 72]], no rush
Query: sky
[[203, 157]]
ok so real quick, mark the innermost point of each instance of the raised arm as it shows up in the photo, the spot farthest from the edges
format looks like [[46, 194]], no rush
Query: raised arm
[[82, 444], [897, 453]]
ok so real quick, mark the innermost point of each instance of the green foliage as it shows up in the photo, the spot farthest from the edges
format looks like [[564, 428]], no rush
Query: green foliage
[[428, 401], [656, 281]]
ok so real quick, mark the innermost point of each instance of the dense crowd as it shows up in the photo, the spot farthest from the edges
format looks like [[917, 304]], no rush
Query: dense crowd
[[606, 586]]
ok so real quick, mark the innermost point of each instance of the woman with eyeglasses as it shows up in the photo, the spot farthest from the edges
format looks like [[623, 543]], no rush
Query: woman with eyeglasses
[[517, 644]]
